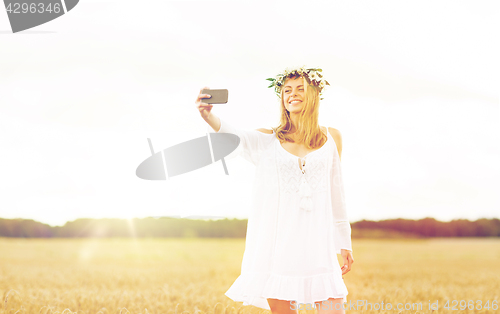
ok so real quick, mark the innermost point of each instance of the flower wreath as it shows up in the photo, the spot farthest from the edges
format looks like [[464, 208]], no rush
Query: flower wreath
[[312, 76]]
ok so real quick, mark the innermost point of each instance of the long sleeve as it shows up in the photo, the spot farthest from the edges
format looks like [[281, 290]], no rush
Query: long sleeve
[[252, 142], [341, 222]]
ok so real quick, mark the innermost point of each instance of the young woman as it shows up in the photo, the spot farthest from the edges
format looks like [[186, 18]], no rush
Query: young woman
[[298, 220]]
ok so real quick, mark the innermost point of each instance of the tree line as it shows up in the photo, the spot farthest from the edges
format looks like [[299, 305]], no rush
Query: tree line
[[228, 228]]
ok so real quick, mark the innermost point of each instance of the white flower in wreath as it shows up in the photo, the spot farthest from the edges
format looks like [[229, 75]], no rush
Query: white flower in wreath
[[313, 76]]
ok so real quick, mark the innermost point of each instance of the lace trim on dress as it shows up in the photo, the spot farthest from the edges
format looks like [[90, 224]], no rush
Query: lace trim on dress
[[303, 176]]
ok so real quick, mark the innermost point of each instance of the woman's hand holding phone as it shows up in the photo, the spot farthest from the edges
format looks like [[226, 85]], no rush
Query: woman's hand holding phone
[[205, 111], [204, 108]]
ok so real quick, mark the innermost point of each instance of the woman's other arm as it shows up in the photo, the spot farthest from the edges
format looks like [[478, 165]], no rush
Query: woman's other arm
[[342, 225]]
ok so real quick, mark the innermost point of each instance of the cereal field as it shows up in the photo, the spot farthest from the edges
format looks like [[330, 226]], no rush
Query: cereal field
[[191, 275]]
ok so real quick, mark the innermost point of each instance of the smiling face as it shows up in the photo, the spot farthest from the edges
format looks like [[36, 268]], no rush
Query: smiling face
[[293, 94]]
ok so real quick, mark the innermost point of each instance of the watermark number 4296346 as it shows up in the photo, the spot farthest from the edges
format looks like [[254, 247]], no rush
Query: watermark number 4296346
[[25, 14]]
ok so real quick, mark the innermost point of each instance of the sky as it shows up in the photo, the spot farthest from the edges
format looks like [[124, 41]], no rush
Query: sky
[[414, 93]]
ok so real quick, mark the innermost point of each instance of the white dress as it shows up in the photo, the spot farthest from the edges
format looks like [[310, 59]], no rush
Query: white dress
[[296, 225]]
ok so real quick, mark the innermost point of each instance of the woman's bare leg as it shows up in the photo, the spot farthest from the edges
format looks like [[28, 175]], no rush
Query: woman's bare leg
[[283, 306], [331, 306]]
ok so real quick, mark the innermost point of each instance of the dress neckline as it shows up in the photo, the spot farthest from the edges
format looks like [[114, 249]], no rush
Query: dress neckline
[[324, 144]]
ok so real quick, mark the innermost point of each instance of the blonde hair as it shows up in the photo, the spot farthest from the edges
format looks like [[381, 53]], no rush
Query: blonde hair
[[308, 129]]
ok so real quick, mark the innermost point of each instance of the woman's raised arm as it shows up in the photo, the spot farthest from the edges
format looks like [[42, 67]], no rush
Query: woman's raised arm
[[252, 142]]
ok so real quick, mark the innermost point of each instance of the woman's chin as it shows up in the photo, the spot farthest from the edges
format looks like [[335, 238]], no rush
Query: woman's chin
[[295, 110]]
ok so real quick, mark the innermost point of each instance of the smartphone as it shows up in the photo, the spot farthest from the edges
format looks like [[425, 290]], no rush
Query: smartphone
[[219, 96]]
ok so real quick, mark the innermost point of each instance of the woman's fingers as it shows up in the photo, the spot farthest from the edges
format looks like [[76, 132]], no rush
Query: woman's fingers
[[204, 108], [348, 261], [201, 96], [345, 267]]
